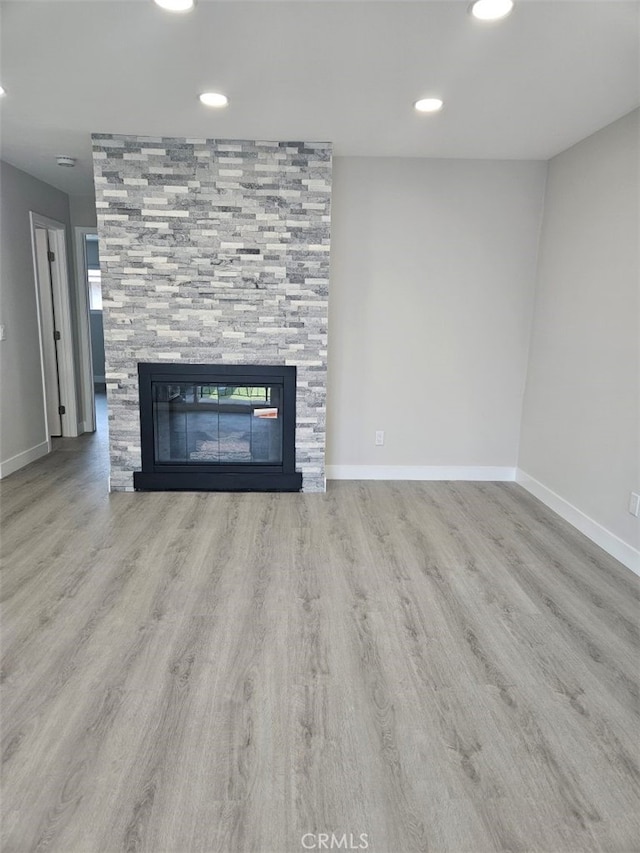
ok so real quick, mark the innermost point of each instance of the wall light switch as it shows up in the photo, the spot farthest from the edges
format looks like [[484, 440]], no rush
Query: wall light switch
[[379, 437], [634, 504]]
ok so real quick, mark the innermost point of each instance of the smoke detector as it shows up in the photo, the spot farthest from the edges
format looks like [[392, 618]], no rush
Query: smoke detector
[[63, 160]]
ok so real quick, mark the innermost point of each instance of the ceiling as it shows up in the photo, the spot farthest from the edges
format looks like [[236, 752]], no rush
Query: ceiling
[[345, 71]]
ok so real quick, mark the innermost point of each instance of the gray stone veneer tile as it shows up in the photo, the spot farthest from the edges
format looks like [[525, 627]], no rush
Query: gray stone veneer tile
[[213, 251]]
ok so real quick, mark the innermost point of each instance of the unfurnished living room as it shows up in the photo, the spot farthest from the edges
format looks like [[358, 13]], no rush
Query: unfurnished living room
[[320, 426]]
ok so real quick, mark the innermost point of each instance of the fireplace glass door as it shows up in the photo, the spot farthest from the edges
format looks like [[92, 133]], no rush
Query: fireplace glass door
[[213, 424]]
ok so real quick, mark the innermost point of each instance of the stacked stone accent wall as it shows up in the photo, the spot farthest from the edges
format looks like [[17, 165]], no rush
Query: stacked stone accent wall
[[213, 252]]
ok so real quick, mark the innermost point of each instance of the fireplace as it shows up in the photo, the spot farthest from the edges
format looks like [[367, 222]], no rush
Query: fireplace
[[217, 428]]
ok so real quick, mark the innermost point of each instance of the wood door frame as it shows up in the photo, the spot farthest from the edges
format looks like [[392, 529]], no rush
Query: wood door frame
[[64, 323], [88, 412]]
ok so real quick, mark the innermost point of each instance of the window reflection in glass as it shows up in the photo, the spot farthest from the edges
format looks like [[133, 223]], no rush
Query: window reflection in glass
[[203, 423]]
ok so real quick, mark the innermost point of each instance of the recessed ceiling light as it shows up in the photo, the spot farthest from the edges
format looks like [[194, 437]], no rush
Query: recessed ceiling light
[[491, 10], [176, 5], [428, 105], [65, 160], [214, 99], [2, 92]]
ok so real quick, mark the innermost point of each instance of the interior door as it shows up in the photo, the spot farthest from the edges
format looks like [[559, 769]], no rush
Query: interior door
[[49, 332]]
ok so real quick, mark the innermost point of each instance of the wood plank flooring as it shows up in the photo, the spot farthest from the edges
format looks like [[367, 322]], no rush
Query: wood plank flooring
[[435, 666]]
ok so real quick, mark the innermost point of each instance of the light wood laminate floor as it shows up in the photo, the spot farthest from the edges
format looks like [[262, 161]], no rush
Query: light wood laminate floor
[[437, 666]]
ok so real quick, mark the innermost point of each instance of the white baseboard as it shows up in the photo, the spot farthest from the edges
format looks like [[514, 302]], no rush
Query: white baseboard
[[9, 466], [419, 472], [608, 541]]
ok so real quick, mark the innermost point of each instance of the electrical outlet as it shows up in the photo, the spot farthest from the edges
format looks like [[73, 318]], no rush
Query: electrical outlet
[[379, 437], [634, 504]]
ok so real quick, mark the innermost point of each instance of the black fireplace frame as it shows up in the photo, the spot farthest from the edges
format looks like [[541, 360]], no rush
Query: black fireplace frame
[[217, 477]]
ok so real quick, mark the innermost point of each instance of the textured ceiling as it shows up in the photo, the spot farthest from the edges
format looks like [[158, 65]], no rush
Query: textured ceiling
[[347, 72]]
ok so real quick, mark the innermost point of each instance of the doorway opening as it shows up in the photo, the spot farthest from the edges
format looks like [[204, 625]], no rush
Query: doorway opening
[[91, 342]]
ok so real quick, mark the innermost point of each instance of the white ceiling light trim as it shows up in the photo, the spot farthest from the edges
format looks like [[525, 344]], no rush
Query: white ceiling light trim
[[214, 99], [429, 105], [2, 92], [491, 10], [175, 5]]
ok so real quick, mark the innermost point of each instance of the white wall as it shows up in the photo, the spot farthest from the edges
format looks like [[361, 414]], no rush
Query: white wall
[[433, 270], [580, 425], [83, 211], [22, 424]]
